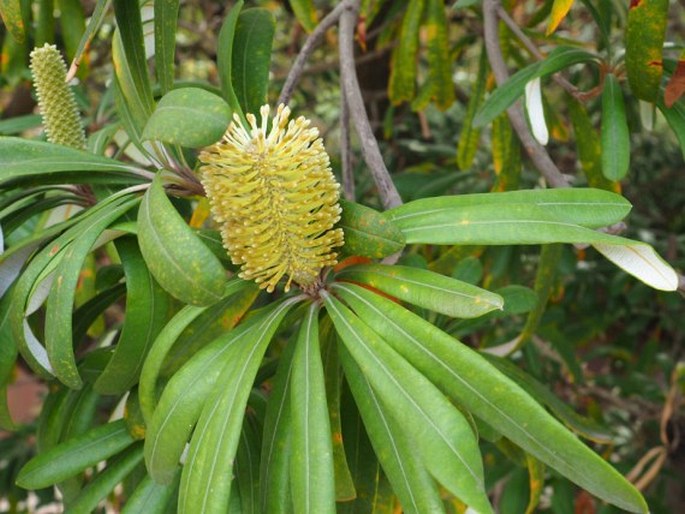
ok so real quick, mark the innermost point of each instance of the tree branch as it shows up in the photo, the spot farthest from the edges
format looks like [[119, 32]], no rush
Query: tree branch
[[535, 150], [309, 46], [350, 87], [346, 148]]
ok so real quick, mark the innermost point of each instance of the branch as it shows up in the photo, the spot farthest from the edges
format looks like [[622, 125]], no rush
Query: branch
[[535, 150], [312, 42], [350, 87], [346, 148]]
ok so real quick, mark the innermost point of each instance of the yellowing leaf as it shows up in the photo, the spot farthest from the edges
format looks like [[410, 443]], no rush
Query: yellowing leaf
[[676, 85], [560, 9]]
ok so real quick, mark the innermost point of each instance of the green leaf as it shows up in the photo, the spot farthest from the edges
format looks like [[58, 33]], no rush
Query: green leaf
[[435, 31], [615, 134], [675, 115], [10, 11], [93, 26], [147, 307], [178, 260], [8, 357], [426, 289], [224, 57], [506, 94], [247, 461], [105, 481], [187, 392], [444, 438], [60, 304], [25, 161], [251, 58], [210, 324], [150, 497], [480, 388], [586, 207], [311, 464], [645, 33], [368, 233], [410, 480], [581, 425], [73, 24], [402, 82], [73, 456], [469, 136], [274, 470], [166, 21], [305, 12], [132, 61], [204, 487], [188, 116]]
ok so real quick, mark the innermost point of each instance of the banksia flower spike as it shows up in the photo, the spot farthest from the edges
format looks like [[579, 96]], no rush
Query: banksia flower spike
[[55, 99], [273, 192]]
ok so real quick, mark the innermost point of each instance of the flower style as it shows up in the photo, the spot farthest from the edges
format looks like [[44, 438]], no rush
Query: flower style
[[275, 197]]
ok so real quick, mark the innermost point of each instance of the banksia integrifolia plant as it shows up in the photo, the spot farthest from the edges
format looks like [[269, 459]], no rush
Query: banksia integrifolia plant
[[275, 197], [55, 99]]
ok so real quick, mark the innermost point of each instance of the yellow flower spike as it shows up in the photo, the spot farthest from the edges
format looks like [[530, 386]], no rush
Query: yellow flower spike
[[55, 99], [273, 192]]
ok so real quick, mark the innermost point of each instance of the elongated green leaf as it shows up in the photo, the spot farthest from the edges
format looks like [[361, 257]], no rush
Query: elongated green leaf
[[10, 11], [224, 57], [247, 462], [410, 480], [147, 390], [587, 207], [274, 470], [93, 26], [8, 356], [130, 30], [133, 105], [675, 116], [166, 21], [147, 307], [73, 23], [311, 464], [150, 497], [187, 392], [178, 260], [60, 304], [212, 323], [474, 383], [188, 116], [24, 160], [71, 457], [581, 425], [402, 82], [251, 58], [615, 135], [438, 54], [645, 33], [426, 289], [305, 12], [444, 438], [469, 136], [204, 486], [506, 94], [368, 233], [105, 481]]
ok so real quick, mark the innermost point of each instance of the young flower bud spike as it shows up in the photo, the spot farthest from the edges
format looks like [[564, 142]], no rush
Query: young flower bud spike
[[55, 100], [275, 197]]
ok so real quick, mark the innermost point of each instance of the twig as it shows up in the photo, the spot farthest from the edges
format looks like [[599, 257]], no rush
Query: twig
[[504, 16], [350, 86], [346, 148], [536, 151], [312, 42]]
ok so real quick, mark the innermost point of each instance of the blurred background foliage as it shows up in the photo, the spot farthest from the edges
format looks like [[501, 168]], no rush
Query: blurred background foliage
[[607, 346]]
